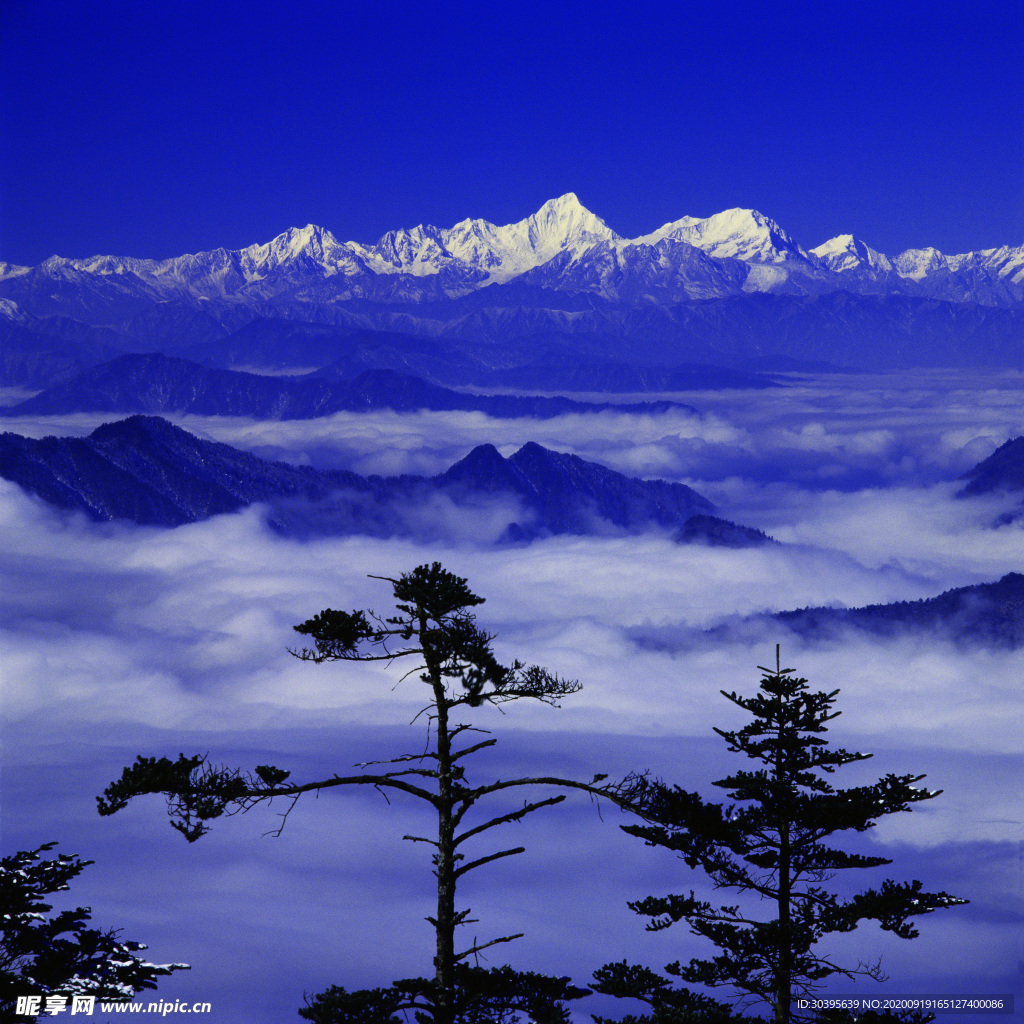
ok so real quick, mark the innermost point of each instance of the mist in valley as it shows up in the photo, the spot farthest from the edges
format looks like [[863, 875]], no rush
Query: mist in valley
[[122, 640]]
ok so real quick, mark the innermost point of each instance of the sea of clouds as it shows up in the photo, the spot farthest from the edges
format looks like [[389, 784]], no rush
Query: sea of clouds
[[120, 640]]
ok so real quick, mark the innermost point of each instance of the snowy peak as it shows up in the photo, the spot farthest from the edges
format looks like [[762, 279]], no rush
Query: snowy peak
[[738, 234], [11, 310], [918, 263], [846, 253], [1003, 264], [99, 265], [563, 247], [311, 237], [564, 223], [475, 246], [1007, 262], [316, 243], [561, 225], [419, 250], [483, 245]]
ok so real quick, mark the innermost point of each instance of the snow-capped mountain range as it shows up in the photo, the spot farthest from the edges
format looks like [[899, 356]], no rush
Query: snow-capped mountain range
[[561, 249]]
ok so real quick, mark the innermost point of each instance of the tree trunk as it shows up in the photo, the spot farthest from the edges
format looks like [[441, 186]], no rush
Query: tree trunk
[[784, 979], [783, 993], [444, 960]]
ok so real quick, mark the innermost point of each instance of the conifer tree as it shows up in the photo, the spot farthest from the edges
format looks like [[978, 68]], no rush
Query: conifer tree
[[434, 627], [49, 955], [771, 845]]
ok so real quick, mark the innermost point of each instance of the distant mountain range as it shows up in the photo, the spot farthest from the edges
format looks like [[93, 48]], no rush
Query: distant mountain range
[[562, 247], [986, 613], [559, 288], [155, 383], [982, 614], [146, 470]]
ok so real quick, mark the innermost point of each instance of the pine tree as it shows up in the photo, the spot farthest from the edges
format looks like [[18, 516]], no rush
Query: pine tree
[[771, 844], [61, 955], [434, 626]]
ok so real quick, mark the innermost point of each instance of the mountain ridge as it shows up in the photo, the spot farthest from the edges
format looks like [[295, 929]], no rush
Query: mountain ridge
[[980, 615], [988, 613], [475, 253], [734, 290], [1001, 473], [157, 383], [146, 470]]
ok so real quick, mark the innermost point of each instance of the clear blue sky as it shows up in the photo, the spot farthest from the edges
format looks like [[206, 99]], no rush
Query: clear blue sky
[[153, 129]]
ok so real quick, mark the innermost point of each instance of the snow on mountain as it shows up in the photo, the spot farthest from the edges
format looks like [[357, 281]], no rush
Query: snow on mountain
[[560, 225], [500, 253], [1004, 263], [775, 262], [668, 271], [738, 234], [846, 253], [312, 242], [217, 272], [313, 247], [113, 265], [12, 311], [289, 263], [1007, 261], [482, 244], [919, 263], [990, 276], [418, 251], [561, 247]]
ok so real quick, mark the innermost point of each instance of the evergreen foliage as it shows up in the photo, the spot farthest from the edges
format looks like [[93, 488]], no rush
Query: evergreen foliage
[[500, 995], [42, 955], [432, 625], [772, 843]]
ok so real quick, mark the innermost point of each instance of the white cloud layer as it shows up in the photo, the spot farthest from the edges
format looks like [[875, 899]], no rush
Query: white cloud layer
[[837, 431], [120, 640]]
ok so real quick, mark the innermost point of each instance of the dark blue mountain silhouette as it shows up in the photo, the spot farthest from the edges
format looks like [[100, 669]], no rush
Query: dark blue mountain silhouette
[[989, 613], [566, 494], [1001, 472], [983, 614], [156, 383], [580, 374], [39, 353], [520, 327], [148, 471], [517, 324]]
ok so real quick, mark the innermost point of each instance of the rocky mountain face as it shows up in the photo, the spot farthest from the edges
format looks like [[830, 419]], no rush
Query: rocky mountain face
[[560, 279], [145, 470]]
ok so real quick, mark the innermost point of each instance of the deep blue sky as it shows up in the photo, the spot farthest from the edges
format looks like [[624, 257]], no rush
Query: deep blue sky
[[153, 129]]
